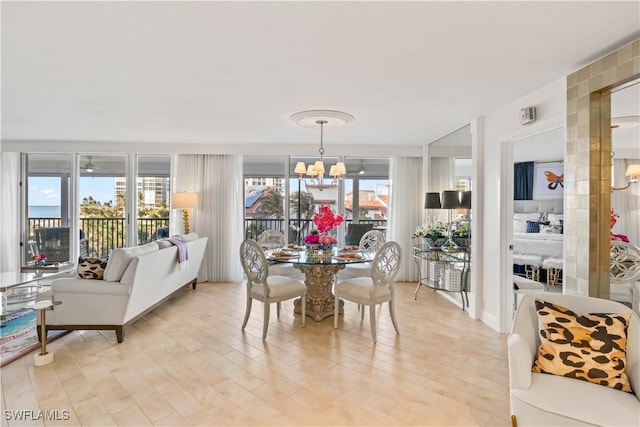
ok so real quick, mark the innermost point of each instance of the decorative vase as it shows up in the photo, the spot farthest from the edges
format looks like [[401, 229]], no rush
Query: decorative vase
[[434, 243], [462, 242], [319, 252]]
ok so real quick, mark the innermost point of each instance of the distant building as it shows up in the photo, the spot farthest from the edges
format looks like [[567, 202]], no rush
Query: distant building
[[154, 190], [372, 205]]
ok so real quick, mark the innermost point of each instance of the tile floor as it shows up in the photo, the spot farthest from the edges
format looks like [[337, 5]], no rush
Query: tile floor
[[188, 363]]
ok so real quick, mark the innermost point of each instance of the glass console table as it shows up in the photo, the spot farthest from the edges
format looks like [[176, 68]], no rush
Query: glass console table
[[18, 290], [444, 270]]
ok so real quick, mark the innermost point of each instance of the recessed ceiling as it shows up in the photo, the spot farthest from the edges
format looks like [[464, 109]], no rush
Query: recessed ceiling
[[234, 72]]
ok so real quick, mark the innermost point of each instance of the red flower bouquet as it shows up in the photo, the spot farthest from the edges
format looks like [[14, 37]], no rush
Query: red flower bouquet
[[325, 220]]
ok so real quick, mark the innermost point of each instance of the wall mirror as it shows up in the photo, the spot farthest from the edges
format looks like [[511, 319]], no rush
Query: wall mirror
[[625, 142], [450, 167]]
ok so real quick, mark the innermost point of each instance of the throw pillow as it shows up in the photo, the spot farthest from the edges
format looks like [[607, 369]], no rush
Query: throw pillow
[[188, 237], [91, 268], [550, 229], [534, 226], [519, 226], [591, 347], [163, 243]]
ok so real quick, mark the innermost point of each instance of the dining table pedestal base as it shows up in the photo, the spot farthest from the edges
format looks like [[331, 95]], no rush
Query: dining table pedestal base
[[320, 298]]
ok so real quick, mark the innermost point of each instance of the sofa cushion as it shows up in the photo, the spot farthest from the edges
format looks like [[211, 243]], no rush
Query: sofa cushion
[[163, 243], [591, 347], [187, 237], [577, 402], [91, 268], [120, 258]]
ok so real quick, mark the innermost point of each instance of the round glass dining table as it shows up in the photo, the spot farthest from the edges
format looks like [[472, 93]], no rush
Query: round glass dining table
[[319, 277]]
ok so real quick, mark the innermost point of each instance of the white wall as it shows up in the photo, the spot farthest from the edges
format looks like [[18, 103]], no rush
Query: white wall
[[501, 126]]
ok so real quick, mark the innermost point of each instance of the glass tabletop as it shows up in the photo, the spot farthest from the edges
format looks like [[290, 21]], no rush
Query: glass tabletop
[[336, 256]]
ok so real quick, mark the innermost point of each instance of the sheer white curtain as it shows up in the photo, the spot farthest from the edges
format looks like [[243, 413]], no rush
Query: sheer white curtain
[[407, 205], [9, 211], [626, 203], [218, 180], [441, 177]]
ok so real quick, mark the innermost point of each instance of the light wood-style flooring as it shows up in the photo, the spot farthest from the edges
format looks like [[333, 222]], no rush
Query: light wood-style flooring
[[188, 363]]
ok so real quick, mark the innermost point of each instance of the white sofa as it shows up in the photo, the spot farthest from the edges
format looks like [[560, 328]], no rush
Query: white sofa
[[539, 399], [136, 281]]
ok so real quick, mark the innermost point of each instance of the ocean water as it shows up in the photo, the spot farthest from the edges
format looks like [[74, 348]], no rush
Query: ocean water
[[44, 211]]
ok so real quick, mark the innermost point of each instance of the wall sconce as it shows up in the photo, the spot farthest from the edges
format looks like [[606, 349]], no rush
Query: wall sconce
[[633, 171], [185, 201]]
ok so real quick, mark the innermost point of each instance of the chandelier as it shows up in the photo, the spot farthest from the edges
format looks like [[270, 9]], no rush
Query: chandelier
[[322, 119]]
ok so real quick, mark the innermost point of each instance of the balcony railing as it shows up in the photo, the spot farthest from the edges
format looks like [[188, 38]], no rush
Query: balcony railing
[[105, 234]]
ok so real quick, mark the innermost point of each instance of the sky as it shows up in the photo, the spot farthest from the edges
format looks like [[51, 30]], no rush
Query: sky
[[45, 191]]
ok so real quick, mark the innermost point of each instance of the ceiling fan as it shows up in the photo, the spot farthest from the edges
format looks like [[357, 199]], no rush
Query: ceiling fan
[[89, 166], [360, 171]]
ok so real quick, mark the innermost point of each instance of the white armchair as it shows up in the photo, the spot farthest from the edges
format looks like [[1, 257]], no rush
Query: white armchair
[[539, 399]]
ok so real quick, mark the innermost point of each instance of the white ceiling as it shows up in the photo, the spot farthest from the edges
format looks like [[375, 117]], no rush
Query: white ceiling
[[233, 72]]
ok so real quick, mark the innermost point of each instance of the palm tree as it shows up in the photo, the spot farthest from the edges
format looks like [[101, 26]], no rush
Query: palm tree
[[271, 205], [305, 202]]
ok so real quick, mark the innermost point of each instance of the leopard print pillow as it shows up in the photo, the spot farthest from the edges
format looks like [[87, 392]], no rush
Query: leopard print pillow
[[591, 347], [91, 268]]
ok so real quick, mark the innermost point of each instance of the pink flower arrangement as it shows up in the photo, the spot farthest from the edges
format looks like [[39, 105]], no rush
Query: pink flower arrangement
[[325, 220], [312, 239], [612, 221]]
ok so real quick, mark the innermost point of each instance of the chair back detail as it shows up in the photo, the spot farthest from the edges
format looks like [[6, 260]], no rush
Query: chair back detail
[[271, 239], [254, 262], [624, 266], [372, 241], [386, 264]]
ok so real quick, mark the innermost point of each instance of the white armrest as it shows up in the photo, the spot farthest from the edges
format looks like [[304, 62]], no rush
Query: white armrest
[[521, 357], [88, 286]]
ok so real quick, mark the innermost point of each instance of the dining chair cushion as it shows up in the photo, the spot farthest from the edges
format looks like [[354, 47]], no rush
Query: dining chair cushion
[[589, 347], [279, 286], [359, 289]]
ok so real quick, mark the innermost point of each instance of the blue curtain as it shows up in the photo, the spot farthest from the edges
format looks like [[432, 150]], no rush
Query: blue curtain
[[523, 181]]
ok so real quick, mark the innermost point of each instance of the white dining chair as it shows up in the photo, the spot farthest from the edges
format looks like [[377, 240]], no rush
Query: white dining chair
[[370, 242], [376, 289], [265, 288], [624, 274], [273, 239]]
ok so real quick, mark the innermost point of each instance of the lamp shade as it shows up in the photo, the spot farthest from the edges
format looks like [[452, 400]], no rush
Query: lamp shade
[[300, 168], [318, 166], [452, 199], [185, 200], [465, 202], [432, 201], [633, 171]]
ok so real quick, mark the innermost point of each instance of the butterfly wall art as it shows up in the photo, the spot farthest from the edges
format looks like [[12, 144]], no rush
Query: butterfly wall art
[[548, 180]]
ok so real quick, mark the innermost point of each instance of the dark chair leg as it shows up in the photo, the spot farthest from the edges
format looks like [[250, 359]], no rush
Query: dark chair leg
[[120, 333], [194, 283]]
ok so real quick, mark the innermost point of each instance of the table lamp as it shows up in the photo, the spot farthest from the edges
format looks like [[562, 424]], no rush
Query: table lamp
[[185, 201]]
